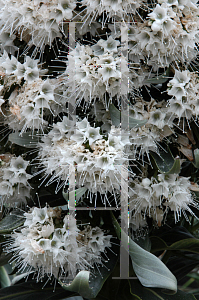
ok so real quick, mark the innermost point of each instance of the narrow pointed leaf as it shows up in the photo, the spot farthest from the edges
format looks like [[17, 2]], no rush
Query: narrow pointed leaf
[[4, 258], [19, 277], [127, 120], [166, 164], [150, 270], [137, 289], [190, 244], [11, 221], [32, 290], [26, 140], [4, 278], [196, 158], [159, 79]]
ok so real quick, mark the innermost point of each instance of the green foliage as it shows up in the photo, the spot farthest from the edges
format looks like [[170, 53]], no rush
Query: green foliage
[[32, 290], [149, 269], [166, 163], [159, 79], [127, 121], [27, 139], [141, 293], [76, 194], [11, 221]]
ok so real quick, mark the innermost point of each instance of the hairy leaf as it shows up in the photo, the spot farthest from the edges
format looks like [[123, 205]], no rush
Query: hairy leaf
[[196, 158], [160, 79]]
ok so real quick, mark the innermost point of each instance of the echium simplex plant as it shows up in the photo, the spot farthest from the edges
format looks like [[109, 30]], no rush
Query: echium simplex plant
[[99, 111]]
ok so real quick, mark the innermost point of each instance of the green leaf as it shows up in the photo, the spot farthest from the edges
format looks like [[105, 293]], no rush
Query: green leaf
[[160, 79], [157, 244], [124, 292], [165, 162], [4, 278], [11, 221], [151, 271], [156, 294], [77, 194], [19, 277], [127, 120], [74, 298], [80, 284], [4, 258], [144, 243], [182, 265], [191, 245], [27, 140], [32, 290], [196, 158]]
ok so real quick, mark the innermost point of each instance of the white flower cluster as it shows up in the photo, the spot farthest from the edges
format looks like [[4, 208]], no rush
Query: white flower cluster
[[52, 244], [97, 160], [154, 197], [94, 71], [32, 98], [184, 89], [169, 33], [37, 22], [159, 125], [29, 70], [29, 105], [14, 185], [111, 8]]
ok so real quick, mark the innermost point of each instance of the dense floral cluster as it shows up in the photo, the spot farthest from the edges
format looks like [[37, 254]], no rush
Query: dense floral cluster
[[33, 98], [97, 160], [35, 21], [112, 102], [94, 71], [184, 88], [14, 185], [51, 243], [153, 197]]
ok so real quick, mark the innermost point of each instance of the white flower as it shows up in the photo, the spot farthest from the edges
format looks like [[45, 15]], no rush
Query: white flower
[[92, 134], [161, 17], [159, 125]]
